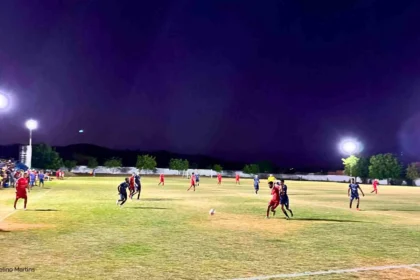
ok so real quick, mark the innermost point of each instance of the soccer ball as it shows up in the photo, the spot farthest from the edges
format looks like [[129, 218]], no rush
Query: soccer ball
[[212, 211]]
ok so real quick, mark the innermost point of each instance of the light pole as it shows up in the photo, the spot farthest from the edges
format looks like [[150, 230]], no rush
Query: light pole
[[31, 125], [350, 147], [4, 101]]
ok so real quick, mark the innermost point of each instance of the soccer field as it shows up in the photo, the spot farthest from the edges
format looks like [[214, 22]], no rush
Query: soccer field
[[74, 230]]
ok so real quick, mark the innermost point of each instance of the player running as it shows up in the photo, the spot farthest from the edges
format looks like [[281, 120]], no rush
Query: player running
[[237, 179], [122, 191], [192, 182], [132, 186], [197, 179], [138, 186], [284, 199], [275, 199], [256, 184], [21, 190], [162, 179], [375, 184], [219, 178], [354, 189]]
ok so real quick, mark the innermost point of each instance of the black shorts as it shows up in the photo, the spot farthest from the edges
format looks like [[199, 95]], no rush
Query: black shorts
[[284, 200], [41, 181], [123, 196]]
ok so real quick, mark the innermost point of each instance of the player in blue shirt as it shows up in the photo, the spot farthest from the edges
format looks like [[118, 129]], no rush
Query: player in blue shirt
[[32, 178], [284, 199], [197, 179], [41, 177], [122, 191], [354, 191], [256, 184]]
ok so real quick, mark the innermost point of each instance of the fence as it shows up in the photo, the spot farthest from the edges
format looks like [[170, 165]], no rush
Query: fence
[[212, 173]]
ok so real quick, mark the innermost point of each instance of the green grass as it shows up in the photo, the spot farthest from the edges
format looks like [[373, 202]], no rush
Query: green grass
[[170, 235]]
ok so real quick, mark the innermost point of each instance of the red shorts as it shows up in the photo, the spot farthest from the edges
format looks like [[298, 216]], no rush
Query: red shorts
[[274, 204], [21, 195], [162, 181]]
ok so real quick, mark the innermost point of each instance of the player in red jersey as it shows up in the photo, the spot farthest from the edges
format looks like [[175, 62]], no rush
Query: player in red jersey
[[275, 199], [21, 187], [375, 186], [219, 179], [237, 179], [131, 187], [162, 180], [192, 182]]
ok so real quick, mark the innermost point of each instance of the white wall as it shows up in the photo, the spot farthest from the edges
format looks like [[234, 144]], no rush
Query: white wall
[[208, 172]]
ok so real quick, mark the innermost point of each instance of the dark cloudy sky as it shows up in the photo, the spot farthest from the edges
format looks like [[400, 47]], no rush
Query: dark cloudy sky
[[247, 80]]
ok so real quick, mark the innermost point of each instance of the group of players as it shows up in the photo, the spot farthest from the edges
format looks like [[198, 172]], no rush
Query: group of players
[[278, 191]]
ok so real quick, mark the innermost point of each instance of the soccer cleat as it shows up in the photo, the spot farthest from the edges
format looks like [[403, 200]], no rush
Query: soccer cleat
[[267, 217], [24, 209], [117, 202], [358, 209], [274, 212]]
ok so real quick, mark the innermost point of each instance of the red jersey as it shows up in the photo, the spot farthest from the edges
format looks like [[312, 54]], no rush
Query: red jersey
[[237, 177], [219, 177], [132, 181], [162, 177], [21, 185], [375, 184], [192, 179], [275, 192]]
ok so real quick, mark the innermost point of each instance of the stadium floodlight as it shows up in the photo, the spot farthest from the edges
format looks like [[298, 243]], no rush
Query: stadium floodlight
[[350, 146], [31, 125], [4, 101]]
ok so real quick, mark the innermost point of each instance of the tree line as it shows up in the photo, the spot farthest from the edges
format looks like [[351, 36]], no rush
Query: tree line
[[382, 167]]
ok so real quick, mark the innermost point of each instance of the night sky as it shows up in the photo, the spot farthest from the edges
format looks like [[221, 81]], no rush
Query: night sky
[[243, 80]]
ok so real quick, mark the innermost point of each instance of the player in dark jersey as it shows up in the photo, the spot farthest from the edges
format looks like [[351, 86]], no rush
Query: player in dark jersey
[[256, 184], [354, 191], [122, 191], [284, 199], [137, 184], [197, 179]]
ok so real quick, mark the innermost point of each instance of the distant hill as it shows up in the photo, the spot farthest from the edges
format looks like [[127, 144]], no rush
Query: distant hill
[[129, 157]]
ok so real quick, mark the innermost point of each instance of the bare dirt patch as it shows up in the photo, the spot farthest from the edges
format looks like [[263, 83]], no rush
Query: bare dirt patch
[[10, 226]]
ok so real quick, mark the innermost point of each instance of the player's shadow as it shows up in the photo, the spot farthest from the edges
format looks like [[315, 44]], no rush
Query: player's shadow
[[2, 230], [43, 210], [153, 208], [326, 220], [158, 199]]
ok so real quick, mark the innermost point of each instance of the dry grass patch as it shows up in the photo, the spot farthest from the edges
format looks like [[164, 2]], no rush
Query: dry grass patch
[[11, 226]]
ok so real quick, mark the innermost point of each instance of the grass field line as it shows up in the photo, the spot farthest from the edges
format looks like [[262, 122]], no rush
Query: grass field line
[[337, 271], [15, 211], [415, 269]]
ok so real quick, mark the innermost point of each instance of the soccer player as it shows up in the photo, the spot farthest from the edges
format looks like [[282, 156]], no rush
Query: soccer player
[[132, 187], [354, 189], [162, 180], [21, 187], [275, 199], [197, 179], [138, 186], [375, 186], [31, 179], [237, 179], [192, 182], [284, 199], [41, 177], [219, 178], [256, 184], [122, 191]]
